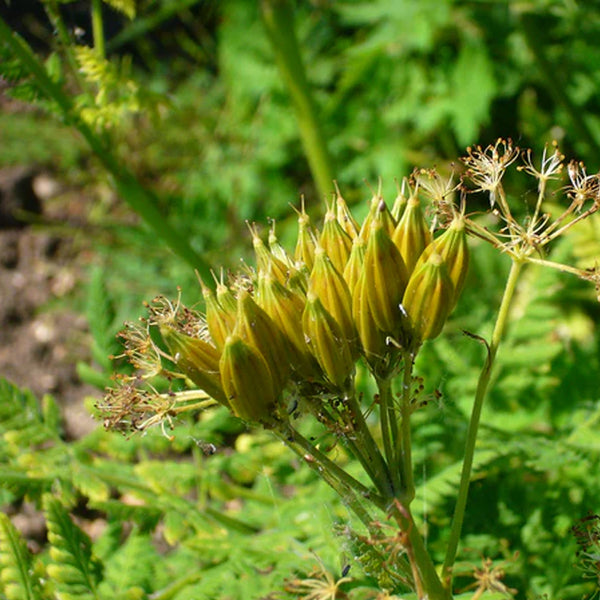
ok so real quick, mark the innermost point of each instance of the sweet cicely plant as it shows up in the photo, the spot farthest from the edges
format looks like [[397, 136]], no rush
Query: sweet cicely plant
[[283, 339]]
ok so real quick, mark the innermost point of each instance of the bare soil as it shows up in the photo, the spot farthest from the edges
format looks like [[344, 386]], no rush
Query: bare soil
[[41, 340]]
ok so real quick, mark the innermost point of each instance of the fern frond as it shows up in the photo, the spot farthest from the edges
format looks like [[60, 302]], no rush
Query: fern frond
[[434, 491], [127, 7], [100, 313], [16, 579], [74, 571]]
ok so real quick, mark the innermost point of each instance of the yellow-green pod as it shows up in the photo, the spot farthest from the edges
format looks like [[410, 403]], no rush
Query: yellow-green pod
[[257, 329], [329, 286], [305, 244], [452, 246], [385, 280], [335, 241], [378, 210], [354, 266], [399, 202], [220, 318], [285, 308], [372, 339], [277, 250], [326, 342], [196, 359], [265, 261], [412, 234], [246, 381], [428, 298], [344, 216]]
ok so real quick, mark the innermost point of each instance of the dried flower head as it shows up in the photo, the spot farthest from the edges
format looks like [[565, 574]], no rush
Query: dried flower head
[[486, 167]]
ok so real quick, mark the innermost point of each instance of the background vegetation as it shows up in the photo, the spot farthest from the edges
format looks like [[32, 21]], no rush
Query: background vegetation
[[193, 103]]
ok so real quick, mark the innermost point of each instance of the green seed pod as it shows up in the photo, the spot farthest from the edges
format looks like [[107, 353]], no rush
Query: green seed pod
[[265, 261], [277, 250], [378, 211], [197, 359], [257, 329], [305, 245], [329, 286], [335, 241], [344, 216], [385, 280], [284, 307], [326, 342], [246, 381], [452, 246], [372, 339], [428, 298], [400, 201], [354, 266], [412, 234], [220, 318]]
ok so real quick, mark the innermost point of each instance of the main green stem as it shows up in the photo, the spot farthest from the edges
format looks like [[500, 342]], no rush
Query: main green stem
[[279, 23], [482, 386]]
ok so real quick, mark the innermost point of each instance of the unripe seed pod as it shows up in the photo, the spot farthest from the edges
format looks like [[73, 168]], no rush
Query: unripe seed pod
[[246, 381], [305, 245], [400, 202], [197, 359], [326, 342], [372, 339], [257, 329], [385, 280], [329, 286], [285, 307], [452, 246], [412, 234], [335, 241], [220, 320], [344, 216], [277, 250], [428, 298], [265, 261], [354, 266], [378, 211]]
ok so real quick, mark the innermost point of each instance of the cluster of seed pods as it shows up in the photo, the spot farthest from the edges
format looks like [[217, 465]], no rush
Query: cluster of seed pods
[[350, 290]]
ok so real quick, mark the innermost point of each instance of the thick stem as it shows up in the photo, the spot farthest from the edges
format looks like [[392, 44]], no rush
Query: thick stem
[[421, 562], [279, 23], [482, 385]]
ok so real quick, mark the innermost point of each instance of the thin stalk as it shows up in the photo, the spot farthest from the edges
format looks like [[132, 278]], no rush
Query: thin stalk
[[346, 493], [64, 38], [404, 439], [381, 474], [141, 200], [309, 450], [389, 431], [98, 28], [482, 385], [278, 19]]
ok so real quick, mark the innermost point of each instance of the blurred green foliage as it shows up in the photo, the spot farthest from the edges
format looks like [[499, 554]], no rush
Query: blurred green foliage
[[397, 84]]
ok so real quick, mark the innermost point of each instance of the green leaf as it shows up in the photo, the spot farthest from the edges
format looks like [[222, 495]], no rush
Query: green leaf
[[16, 579], [74, 571]]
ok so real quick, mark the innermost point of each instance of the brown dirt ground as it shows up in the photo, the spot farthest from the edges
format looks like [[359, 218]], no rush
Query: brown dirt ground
[[40, 340]]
